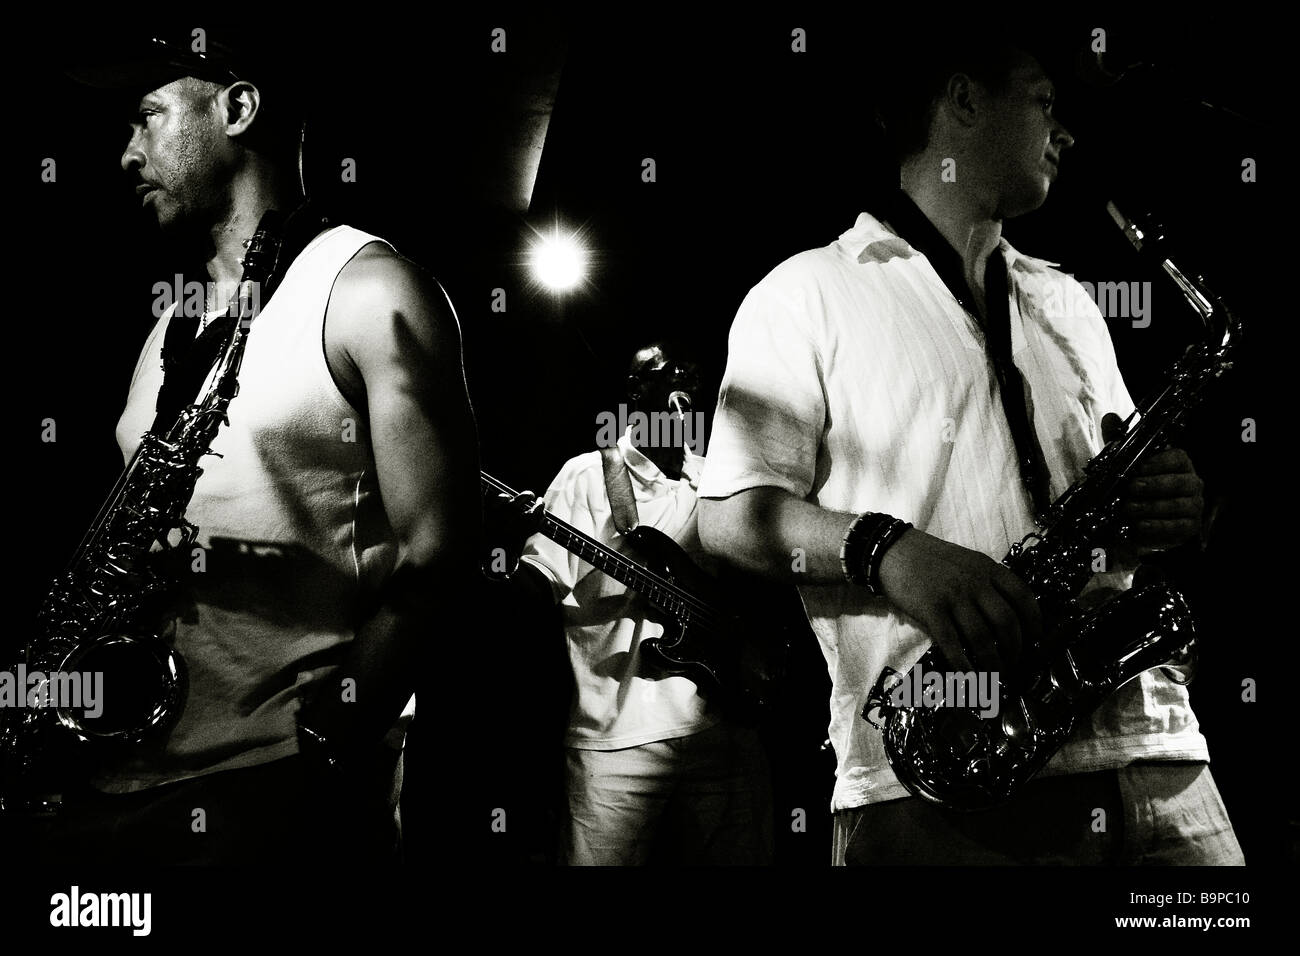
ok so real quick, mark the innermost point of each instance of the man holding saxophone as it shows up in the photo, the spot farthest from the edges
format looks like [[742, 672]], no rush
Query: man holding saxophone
[[870, 425], [340, 500]]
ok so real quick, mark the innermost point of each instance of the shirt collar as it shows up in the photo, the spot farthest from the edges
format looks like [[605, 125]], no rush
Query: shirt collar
[[648, 472], [869, 241]]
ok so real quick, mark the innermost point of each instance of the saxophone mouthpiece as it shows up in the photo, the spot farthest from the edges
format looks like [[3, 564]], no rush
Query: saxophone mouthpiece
[[1130, 229], [1120, 219]]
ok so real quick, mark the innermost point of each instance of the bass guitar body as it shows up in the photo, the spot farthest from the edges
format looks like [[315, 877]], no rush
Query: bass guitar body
[[713, 633]]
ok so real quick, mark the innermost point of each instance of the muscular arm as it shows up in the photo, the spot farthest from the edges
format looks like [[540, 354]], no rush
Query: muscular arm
[[760, 528], [771, 420], [393, 342], [975, 609]]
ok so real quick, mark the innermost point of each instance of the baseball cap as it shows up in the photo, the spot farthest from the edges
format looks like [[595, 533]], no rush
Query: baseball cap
[[146, 59]]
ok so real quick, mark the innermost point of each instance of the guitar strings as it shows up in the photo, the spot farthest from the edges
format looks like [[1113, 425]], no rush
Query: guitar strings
[[700, 609]]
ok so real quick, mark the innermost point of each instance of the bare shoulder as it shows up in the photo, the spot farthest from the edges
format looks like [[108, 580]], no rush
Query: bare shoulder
[[386, 311], [379, 293]]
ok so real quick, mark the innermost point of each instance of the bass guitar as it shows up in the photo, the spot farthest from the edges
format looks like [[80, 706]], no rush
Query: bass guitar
[[735, 647]]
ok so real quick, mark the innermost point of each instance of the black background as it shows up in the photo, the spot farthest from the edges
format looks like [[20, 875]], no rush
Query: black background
[[760, 153]]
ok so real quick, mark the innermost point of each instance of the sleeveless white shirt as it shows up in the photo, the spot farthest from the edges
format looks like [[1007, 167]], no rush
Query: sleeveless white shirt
[[294, 536]]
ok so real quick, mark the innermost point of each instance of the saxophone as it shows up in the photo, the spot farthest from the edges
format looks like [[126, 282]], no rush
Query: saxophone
[[949, 755], [95, 621]]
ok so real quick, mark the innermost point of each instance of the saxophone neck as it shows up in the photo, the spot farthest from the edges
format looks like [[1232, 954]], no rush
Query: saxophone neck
[[1220, 324], [1147, 237], [232, 360], [261, 260]]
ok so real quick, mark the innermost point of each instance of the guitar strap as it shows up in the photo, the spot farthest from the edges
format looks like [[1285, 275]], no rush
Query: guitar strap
[[618, 485]]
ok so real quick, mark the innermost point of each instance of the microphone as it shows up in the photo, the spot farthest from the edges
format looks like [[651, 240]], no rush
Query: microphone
[[680, 402], [1103, 70]]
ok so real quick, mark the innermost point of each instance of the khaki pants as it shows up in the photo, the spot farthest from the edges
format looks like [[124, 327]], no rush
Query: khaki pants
[[703, 799], [1148, 813]]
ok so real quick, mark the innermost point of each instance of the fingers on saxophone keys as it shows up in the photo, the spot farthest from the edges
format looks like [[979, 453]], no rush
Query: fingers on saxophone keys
[[1168, 461], [1156, 534], [1166, 485], [1112, 427], [1022, 604], [1164, 508], [946, 638], [1005, 625], [978, 637]]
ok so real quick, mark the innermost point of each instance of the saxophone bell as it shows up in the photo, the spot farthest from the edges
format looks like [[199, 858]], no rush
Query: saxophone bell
[[141, 685], [95, 630]]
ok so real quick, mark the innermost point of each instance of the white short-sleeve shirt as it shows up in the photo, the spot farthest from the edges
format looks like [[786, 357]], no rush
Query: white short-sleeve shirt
[[620, 700], [856, 381]]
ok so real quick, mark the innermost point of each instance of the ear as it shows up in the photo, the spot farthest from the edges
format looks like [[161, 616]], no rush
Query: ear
[[961, 98], [239, 104]]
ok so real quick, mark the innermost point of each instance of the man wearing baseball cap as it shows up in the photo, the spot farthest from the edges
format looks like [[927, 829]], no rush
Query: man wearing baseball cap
[[339, 504]]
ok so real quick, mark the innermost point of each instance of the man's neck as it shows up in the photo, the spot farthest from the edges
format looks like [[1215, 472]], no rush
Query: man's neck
[[966, 224], [228, 237], [669, 460]]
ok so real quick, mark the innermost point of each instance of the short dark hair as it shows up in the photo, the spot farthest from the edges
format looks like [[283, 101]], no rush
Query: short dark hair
[[913, 73]]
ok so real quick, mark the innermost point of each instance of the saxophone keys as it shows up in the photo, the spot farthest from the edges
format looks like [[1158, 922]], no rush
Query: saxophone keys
[[1017, 725]]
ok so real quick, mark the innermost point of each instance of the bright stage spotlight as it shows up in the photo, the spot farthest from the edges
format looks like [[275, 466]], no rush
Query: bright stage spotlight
[[559, 262]]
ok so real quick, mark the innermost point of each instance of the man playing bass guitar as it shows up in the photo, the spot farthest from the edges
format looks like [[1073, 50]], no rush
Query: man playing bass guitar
[[655, 771]]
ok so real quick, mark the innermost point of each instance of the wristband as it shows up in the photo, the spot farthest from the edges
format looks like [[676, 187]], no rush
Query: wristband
[[870, 535], [883, 543]]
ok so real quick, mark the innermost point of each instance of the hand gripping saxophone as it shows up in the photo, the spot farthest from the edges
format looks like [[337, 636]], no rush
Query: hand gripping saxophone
[[950, 755], [97, 618]]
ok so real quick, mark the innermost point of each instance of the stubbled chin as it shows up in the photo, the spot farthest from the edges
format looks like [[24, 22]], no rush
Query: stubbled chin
[[168, 220]]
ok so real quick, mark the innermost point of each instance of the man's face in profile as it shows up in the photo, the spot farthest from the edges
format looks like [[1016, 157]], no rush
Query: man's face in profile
[[177, 154], [1023, 140]]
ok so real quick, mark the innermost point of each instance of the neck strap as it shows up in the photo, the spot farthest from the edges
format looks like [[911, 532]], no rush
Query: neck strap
[[911, 224]]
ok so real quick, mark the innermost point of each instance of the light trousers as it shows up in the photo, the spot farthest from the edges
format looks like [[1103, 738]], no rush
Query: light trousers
[[703, 799], [1150, 813]]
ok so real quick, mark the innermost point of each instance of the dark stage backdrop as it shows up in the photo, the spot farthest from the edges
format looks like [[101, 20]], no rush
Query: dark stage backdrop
[[759, 152]]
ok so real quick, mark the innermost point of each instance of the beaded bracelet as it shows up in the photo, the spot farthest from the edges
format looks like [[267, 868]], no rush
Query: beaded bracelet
[[865, 542]]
